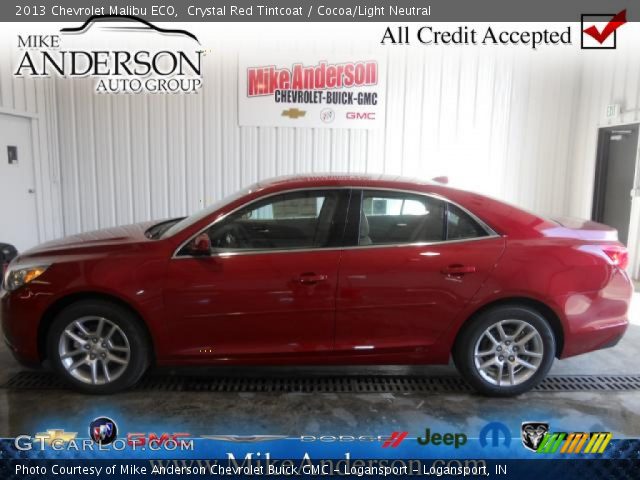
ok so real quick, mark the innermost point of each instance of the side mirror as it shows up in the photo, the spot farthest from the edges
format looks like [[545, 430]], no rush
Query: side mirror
[[200, 246]]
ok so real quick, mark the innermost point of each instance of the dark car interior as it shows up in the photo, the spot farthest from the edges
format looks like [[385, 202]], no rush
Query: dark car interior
[[400, 218], [305, 220], [392, 229], [295, 222], [434, 221]]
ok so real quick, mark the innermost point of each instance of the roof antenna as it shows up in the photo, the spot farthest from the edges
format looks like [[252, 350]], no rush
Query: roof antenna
[[444, 180]]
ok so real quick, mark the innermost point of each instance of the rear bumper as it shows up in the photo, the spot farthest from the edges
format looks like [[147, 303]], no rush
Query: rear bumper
[[598, 319]]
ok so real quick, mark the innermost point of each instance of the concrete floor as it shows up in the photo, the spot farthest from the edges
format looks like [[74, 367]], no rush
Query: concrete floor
[[28, 411]]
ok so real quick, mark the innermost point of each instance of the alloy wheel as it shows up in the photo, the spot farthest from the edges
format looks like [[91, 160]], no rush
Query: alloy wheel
[[94, 350], [508, 353]]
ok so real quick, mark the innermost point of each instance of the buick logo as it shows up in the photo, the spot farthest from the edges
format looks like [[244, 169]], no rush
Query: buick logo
[[327, 115], [103, 430]]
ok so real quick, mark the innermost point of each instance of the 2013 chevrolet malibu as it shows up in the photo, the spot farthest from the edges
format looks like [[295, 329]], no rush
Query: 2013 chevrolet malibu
[[323, 270]]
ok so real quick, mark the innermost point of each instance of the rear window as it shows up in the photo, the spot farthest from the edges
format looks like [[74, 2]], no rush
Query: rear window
[[396, 218], [399, 218]]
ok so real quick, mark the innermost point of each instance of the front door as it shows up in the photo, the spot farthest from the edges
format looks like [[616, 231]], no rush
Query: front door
[[269, 287], [418, 262], [17, 189]]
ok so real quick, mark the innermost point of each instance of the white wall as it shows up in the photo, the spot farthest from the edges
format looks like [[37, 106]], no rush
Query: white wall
[[499, 124], [35, 99]]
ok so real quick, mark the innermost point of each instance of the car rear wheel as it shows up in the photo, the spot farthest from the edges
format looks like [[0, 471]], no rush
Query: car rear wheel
[[98, 347], [505, 351]]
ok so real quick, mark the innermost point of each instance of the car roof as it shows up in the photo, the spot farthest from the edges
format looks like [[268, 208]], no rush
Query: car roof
[[344, 179]]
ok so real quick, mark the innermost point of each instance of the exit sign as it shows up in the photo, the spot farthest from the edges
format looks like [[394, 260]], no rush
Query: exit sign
[[613, 110]]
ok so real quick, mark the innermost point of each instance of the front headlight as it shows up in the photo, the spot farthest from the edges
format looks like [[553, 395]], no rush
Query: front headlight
[[18, 275]]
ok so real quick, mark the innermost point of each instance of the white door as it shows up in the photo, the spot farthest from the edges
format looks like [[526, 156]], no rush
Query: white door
[[18, 216]]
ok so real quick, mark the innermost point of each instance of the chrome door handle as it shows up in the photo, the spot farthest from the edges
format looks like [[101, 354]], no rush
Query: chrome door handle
[[311, 278], [458, 269]]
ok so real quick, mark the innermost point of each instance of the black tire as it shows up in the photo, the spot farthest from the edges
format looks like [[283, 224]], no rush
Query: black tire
[[139, 356], [464, 349]]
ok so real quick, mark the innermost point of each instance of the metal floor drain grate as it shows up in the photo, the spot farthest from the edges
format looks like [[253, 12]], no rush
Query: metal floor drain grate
[[332, 384]]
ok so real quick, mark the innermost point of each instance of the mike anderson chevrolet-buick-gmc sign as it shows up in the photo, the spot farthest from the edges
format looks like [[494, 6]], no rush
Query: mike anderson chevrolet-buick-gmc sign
[[327, 92]]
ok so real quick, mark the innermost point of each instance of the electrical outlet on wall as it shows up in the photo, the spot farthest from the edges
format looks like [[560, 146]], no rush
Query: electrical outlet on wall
[[12, 154]]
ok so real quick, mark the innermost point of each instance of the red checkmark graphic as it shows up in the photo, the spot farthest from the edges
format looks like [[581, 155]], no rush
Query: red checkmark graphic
[[616, 22]]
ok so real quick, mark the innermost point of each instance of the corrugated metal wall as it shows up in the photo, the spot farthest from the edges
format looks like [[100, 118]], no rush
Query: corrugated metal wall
[[495, 123]]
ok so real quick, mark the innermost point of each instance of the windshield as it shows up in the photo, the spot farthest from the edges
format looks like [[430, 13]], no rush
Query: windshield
[[155, 232], [199, 215]]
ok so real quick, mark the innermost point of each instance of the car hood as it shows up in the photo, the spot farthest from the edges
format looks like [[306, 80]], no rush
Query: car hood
[[104, 240]]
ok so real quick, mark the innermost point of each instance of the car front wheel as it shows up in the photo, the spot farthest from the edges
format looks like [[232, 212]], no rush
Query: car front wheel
[[98, 347], [505, 351]]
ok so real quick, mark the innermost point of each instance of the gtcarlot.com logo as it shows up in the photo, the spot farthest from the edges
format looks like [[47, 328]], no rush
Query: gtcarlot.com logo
[[103, 435]]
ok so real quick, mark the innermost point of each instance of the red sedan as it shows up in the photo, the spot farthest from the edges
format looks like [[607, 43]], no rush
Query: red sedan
[[323, 270]]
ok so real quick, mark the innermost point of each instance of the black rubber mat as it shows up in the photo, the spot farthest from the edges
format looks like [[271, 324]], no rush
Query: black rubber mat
[[331, 384]]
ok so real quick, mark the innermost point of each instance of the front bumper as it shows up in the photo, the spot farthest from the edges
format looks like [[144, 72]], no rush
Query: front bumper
[[20, 314]]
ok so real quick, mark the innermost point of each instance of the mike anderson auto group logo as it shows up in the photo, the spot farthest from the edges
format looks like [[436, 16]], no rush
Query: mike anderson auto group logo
[[119, 53], [309, 83], [309, 93]]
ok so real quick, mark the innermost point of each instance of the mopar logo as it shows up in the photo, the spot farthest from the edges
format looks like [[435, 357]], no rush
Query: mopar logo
[[497, 432]]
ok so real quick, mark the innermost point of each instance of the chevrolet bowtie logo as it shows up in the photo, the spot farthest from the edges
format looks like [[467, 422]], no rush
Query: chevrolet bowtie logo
[[50, 435], [294, 113]]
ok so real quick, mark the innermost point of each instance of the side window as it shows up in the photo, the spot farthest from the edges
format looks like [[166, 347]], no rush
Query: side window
[[287, 221], [460, 225], [396, 218]]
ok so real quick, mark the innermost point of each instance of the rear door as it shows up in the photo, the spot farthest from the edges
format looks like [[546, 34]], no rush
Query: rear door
[[418, 261], [269, 287]]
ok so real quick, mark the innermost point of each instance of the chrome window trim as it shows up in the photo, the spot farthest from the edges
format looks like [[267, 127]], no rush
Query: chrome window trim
[[491, 233]]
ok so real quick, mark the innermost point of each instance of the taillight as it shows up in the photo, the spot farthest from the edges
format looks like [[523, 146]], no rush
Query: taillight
[[618, 255]]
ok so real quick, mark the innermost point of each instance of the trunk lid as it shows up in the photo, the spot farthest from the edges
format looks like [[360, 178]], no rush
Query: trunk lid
[[585, 230]]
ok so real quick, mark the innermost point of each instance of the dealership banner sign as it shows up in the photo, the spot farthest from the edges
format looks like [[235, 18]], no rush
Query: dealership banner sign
[[236, 457], [123, 447], [306, 92]]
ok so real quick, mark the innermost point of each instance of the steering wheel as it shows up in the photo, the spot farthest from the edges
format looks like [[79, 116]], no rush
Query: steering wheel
[[233, 235]]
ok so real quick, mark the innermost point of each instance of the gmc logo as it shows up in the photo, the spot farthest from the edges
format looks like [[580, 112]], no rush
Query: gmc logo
[[361, 115], [152, 439]]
